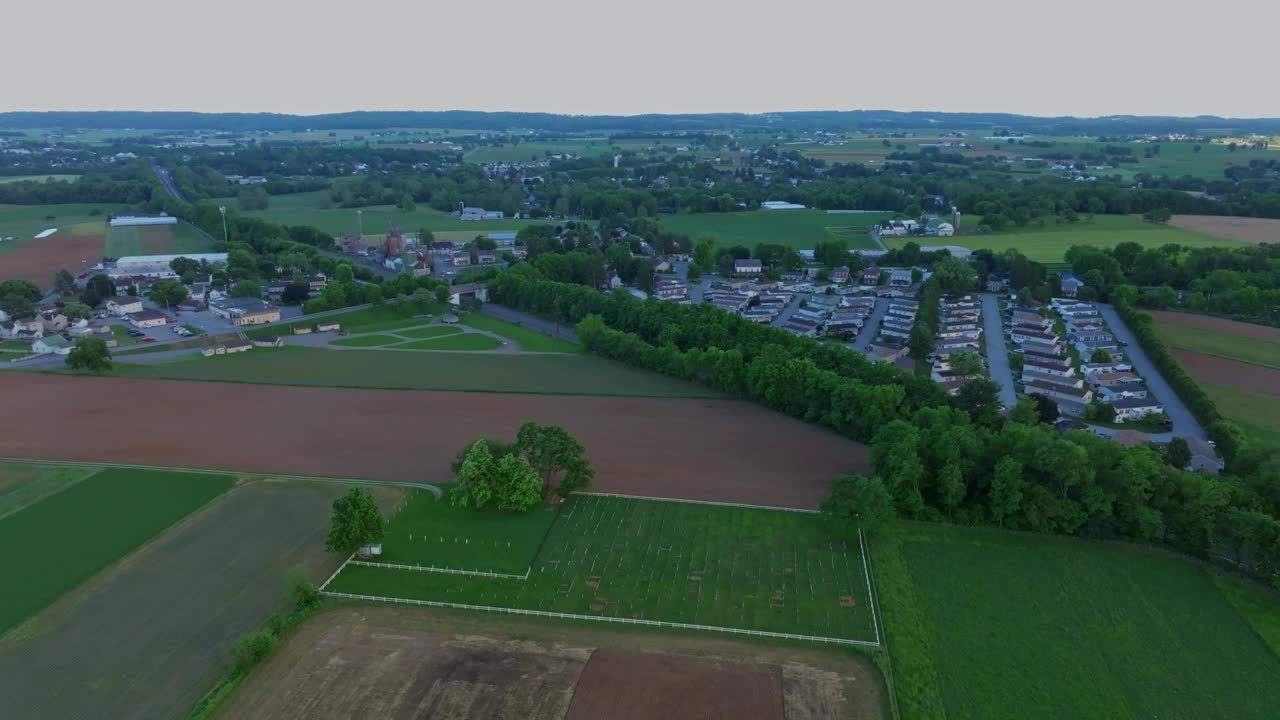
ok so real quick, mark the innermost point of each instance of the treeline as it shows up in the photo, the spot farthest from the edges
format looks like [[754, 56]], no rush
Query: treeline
[[940, 458], [85, 189]]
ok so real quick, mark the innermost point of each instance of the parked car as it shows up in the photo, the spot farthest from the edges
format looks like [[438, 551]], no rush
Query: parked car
[[148, 339], [136, 333]]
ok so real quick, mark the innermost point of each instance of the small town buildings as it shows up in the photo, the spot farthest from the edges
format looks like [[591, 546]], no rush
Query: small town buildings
[[468, 292], [51, 344], [148, 319], [1111, 393], [1129, 409], [121, 306], [870, 276], [244, 311], [1061, 368], [900, 278], [1062, 393], [840, 274], [671, 290], [317, 282], [238, 347], [1030, 319], [268, 341], [461, 259], [1071, 284], [747, 267]]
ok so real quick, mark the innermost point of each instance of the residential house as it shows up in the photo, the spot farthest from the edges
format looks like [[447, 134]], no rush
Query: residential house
[[1204, 457], [1107, 379], [887, 353], [1031, 372], [1021, 334], [148, 319], [33, 328], [1093, 335], [55, 344], [870, 276], [275, 290], [671, 290], [900, 278], [803, 326], [1111, 393], [420, 268], [1071, 284], [486, 257], [468, 292], [840, 274], [1061, 368], [199, 290], [747, 267], [1129, 409], [317, 282], [1041, 347], [1090, 369], [1030, 319], [121, 306], [461, 259], [1054, 391], [662, 264], [1088, 348]]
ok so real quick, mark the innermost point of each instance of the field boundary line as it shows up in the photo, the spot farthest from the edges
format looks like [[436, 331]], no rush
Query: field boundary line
[[341, 567], [434, 569], [871, 596], [697, 502], [601, 618]]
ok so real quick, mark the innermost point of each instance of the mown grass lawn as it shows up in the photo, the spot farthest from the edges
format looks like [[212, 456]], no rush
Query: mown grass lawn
[[678, 562], [380, 318], [309, 208], [1235, 347], [433, 331], [1050, 243], [529, 340], [462, 342], [367, 341], [799, 229], [1254, 412], [991, 625], [59, 542], [481, 372]]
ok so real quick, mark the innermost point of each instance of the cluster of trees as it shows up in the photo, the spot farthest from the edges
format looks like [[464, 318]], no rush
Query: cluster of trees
[[90, 355], [544, 459], [18, 298], [356, 521]]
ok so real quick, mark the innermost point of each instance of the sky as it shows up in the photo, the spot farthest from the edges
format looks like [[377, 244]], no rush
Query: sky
[[1083, 58]]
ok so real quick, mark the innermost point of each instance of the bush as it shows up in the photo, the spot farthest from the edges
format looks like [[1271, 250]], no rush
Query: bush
[[302, 593], [252, 648]]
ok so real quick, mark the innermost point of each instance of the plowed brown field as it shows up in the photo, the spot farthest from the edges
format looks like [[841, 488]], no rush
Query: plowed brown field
[[1232, 373], [1254, 230], [38, 260], [720, 450], [1216, 324]]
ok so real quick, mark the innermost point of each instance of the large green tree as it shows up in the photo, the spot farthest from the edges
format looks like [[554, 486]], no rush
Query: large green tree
[[553, 452], [862, 502], [356, 521], [90, 354], [167, 293], [246, 289]]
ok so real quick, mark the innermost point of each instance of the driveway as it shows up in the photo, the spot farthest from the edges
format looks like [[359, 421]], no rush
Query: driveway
[[868, 331], [997, 351], [1184, 423]]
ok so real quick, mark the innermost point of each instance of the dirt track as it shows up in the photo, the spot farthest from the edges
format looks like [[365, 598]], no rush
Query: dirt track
[[38, 260], [719, 450], [1246, 229], [1232, 373], [1216, 324]]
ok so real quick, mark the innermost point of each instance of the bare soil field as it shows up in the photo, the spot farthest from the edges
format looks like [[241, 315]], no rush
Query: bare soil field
[[1221, 371], [720, 450], [148, 636], [38, 260], [1216, 324], [373, 661], [1246, 229]]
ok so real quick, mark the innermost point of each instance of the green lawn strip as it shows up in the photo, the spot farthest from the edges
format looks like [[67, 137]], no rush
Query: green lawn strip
[[366, 341], [16, 346], [676, 562], [432, 532], [61, 541], [463, 342], [122, 336], [432, 331], [22, 484], [1260, 607], [799, 229], [1234, 347], [483, 372], [915, 680], [1028, 626], [1255, 412], [379, 318], [529, 340]]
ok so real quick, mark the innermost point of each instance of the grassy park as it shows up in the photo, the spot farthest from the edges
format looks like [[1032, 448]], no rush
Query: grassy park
[[986, 624], [62, 540], [528, 340], [799, 229], [1050, 243], [676, 562], [462, 342], [157, 240]]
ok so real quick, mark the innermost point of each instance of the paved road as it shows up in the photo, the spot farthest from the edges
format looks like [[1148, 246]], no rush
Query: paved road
[[787, 311], [997, 352], [166, 180], [1184, 423], [532, 322], [868, 331]]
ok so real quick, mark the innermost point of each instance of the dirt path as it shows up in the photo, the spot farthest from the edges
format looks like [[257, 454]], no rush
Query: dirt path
[[721, 450]]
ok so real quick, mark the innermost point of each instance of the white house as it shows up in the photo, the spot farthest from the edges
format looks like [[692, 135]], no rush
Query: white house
[[1136, 408], [747, 267], [55, 344], [121, 306]]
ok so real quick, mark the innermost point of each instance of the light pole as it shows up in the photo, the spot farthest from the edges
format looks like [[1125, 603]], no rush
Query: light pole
[[222, 210], [360, 223]]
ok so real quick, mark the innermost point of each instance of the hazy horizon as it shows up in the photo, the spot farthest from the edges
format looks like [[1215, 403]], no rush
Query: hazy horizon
[[577, 58]]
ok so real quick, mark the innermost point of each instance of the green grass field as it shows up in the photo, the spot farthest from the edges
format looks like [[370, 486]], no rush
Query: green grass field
[[64, 539], [22, 484], [21, 222], [986, 624], [157, 240], [675, 562], [1050, 243], [433, 331], [799, 229], [529, 340], [464, 342], [308, 209], [483, 372], [380, 318], [434, 533], [367, 341], [537, 150], [1254, 412], [1227, 345]]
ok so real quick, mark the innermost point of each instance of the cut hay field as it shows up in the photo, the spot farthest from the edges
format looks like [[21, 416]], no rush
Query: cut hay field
[[623, 558], [987, 625], [1050, 243], [309, 209], [150, 635], [700, 449], [68, 536], [1244, 229], [553, 374], [799, 229], [374, 661], [157, 240], [1248, 343]]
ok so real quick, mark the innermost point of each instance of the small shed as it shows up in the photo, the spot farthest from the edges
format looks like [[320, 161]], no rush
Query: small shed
[[369, 551], [449, 319]]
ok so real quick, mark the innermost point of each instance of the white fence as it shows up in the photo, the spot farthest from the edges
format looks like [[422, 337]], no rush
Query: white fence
[[433, 569], [601, 618]]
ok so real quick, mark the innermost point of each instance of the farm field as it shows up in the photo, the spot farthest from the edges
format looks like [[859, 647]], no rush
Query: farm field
[[157, 240], [726, 567], [1050, 243], [709, 449], [538, 150], [1256, 344], [22, 484], [39, 260], [1255, 412], [1063, 629], [1244, 229], [1232, 373], [528, 340], [799, 229], [554, 374], [88, 526], [24, 221], [307, 209], [148, 637], [377, 661]]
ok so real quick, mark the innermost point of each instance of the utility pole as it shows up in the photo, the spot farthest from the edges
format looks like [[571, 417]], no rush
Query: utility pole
[[222, 209], [360, 223]]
